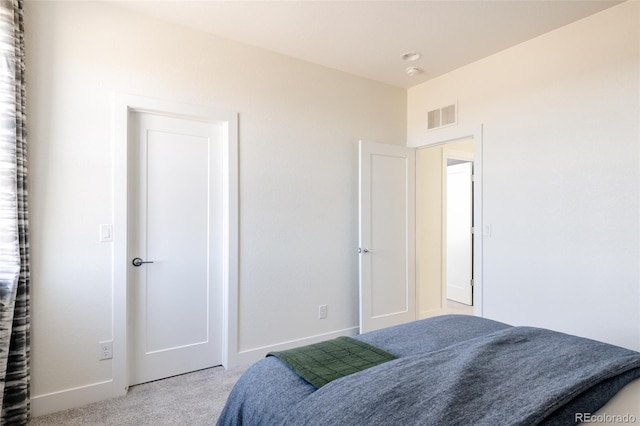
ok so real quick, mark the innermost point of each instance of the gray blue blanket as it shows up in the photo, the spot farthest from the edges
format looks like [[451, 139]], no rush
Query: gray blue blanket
[[452, 370]]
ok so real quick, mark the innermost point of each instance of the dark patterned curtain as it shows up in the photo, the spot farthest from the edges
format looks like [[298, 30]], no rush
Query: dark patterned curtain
[[14, 245]]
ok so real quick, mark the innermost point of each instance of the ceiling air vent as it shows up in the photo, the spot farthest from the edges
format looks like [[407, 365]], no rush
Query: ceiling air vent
[[444, 116]]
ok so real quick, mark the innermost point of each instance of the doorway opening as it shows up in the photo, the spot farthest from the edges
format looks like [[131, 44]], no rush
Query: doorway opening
[[444, 224]]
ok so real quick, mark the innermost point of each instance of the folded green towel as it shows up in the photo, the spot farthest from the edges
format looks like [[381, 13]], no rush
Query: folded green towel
[[323, 362]]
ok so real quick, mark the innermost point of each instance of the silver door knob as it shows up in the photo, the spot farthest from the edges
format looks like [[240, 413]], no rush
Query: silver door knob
[[138, 262], [361, 250]]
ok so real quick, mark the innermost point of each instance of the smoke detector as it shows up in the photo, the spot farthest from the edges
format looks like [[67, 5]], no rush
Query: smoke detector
[[411, 71]]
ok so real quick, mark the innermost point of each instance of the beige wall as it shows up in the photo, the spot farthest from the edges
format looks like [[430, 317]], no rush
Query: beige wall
[[429, 225], [299, 128]]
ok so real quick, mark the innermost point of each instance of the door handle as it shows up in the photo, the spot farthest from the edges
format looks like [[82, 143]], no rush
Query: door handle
[[361, 250], [138, 262]]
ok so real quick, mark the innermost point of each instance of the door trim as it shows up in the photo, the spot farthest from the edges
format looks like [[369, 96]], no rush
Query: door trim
[[122, 106]]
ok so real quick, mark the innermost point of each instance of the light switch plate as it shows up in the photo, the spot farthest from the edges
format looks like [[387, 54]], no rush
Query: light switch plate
[[106, 233]]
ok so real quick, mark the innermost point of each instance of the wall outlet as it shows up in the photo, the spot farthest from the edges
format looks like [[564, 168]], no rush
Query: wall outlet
[[105, 350], [322, 311]]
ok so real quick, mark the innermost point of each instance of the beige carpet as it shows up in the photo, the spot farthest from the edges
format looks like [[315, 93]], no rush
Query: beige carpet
[[190, 399]]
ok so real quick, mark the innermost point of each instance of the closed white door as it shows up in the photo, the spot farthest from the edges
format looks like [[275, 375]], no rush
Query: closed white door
[[176, 230], [459, 236], [387, 235]]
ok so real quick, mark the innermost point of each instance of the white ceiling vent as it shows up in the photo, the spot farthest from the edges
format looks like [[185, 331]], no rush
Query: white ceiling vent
[[444, 116]]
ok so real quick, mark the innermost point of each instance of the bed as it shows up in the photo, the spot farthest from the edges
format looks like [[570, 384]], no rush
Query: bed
[[449, 370]]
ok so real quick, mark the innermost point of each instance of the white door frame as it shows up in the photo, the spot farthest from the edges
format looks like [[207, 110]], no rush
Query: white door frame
[[123, 105], [476, 134]]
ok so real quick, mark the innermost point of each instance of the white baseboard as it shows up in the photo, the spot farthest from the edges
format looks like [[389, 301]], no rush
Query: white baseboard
[[250, 356], [83, 395], [72, 398]]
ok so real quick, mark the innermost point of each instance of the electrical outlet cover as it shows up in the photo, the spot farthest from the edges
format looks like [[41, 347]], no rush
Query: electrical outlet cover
[[322, 311], [105, 350]]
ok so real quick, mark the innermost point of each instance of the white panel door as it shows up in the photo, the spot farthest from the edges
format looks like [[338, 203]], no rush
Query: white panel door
[[176, 215], [387, 235], [459, 235]]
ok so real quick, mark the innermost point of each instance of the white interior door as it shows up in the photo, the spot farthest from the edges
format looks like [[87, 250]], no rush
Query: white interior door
[[459, 207], [176, 223], [387, 235]]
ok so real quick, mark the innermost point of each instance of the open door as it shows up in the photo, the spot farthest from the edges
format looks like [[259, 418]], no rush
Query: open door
[[459, 235], [386, 235]]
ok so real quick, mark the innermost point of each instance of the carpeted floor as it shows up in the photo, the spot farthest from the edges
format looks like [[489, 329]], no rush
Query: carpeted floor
[[190, 399]]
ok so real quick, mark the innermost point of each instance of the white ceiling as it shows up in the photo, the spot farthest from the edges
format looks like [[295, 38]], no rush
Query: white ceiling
[[367, 38]]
